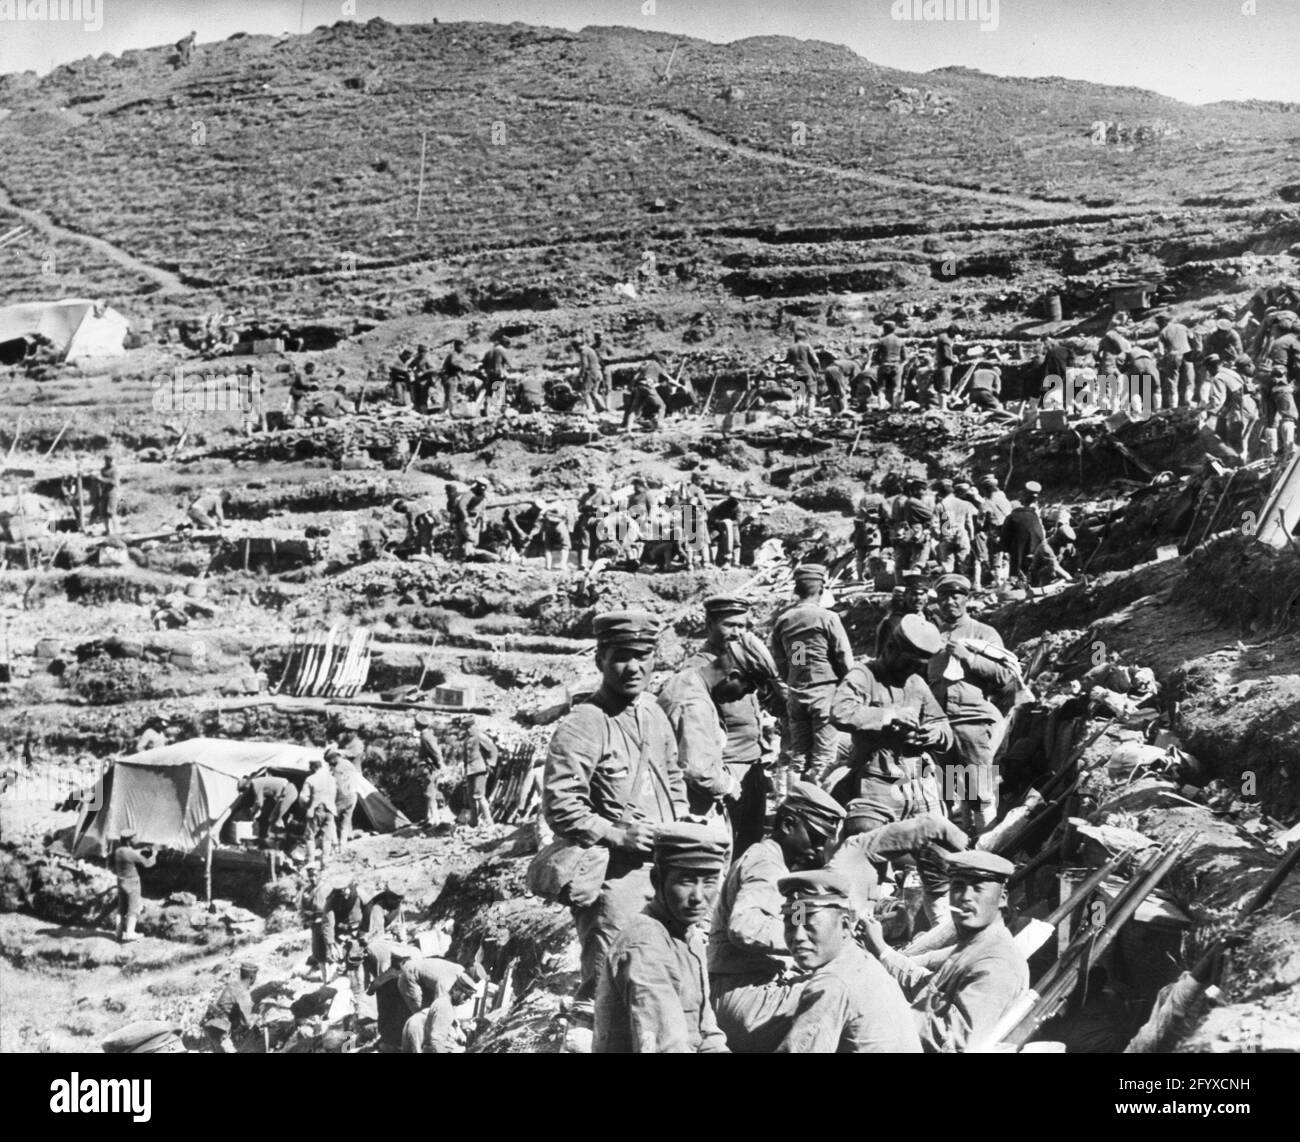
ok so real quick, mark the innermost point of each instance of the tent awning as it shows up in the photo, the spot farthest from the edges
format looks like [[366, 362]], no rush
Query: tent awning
[[178, 795]]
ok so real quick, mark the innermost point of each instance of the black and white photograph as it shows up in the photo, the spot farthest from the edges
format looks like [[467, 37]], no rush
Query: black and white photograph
[[567, 527]]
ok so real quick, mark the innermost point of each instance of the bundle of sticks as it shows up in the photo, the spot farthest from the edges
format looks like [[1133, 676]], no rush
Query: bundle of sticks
[[331, 665]]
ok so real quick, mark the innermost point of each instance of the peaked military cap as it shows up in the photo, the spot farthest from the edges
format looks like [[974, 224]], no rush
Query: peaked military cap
[[820, 888], [637, 629], [685, 844], [717, 605], [919, 635], [976, 864], [817, 807]]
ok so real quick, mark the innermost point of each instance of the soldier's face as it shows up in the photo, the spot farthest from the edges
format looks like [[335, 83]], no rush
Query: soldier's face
[[625, 671], [733, 687], [952, 607], [689, 894], [975, 904], [814, 935], [728, 626], [914, 597]]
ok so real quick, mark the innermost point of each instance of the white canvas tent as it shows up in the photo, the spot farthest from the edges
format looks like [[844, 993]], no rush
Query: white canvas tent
[[179, 796], [77, 327]]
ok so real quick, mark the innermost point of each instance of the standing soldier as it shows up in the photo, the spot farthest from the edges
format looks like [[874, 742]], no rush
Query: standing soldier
[[345, 791], [812, 653], [889, 356], [945, 361], [230, 1016], [496, 376], [480, 758], [726, 617], [593, 508], [898, 728], [693, 699], [973, 678], [431, 761], [1177, 368], [591, 376], [455, 368], [956, 517], [612, 777], [109, 498], [318, 796], [127, 863], [807, 371], [911, 520], [653, 994]]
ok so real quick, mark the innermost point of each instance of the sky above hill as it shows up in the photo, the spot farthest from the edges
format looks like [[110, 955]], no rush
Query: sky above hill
[[1194, 50]]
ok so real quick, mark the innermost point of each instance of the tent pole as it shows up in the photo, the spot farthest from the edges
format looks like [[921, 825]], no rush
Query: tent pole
[[207, 871]]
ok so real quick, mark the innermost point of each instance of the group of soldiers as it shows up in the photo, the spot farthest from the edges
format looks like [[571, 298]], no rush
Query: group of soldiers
[[700, 933], [323, 806], [966, 526], [667, 529], [1209, 368]]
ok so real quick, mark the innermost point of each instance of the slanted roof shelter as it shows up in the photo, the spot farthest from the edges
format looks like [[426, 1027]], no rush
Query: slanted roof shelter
[[77, 327], [179, 795]]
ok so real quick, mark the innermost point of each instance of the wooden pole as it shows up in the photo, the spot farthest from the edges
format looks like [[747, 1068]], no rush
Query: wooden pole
[[207, 871], [419, 194], [53, 446]]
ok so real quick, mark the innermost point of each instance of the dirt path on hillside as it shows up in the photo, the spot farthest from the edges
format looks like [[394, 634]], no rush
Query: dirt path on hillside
[[169, 281], [706, 137]]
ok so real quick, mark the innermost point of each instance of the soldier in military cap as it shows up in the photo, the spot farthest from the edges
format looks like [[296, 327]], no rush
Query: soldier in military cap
[[692, 698], [974, 679], [431, 760], [898, 730], [653, 995], [812, 653], [909, 598], [960, 1002], [748, 959], [726, 616], [612, 777], [911, 525], [128, 860], [847, 1004]]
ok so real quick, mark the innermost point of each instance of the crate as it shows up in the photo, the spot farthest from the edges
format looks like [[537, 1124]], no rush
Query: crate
[[243, 831], [453, 696]]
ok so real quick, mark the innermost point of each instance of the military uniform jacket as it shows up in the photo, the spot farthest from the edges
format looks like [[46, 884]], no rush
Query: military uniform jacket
[[748, 934], [653, 995], [742, 720], [592, 764], [851, 1006], [967, 701], [865, 701], [701, 736], [970, 991], [810, 647]]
